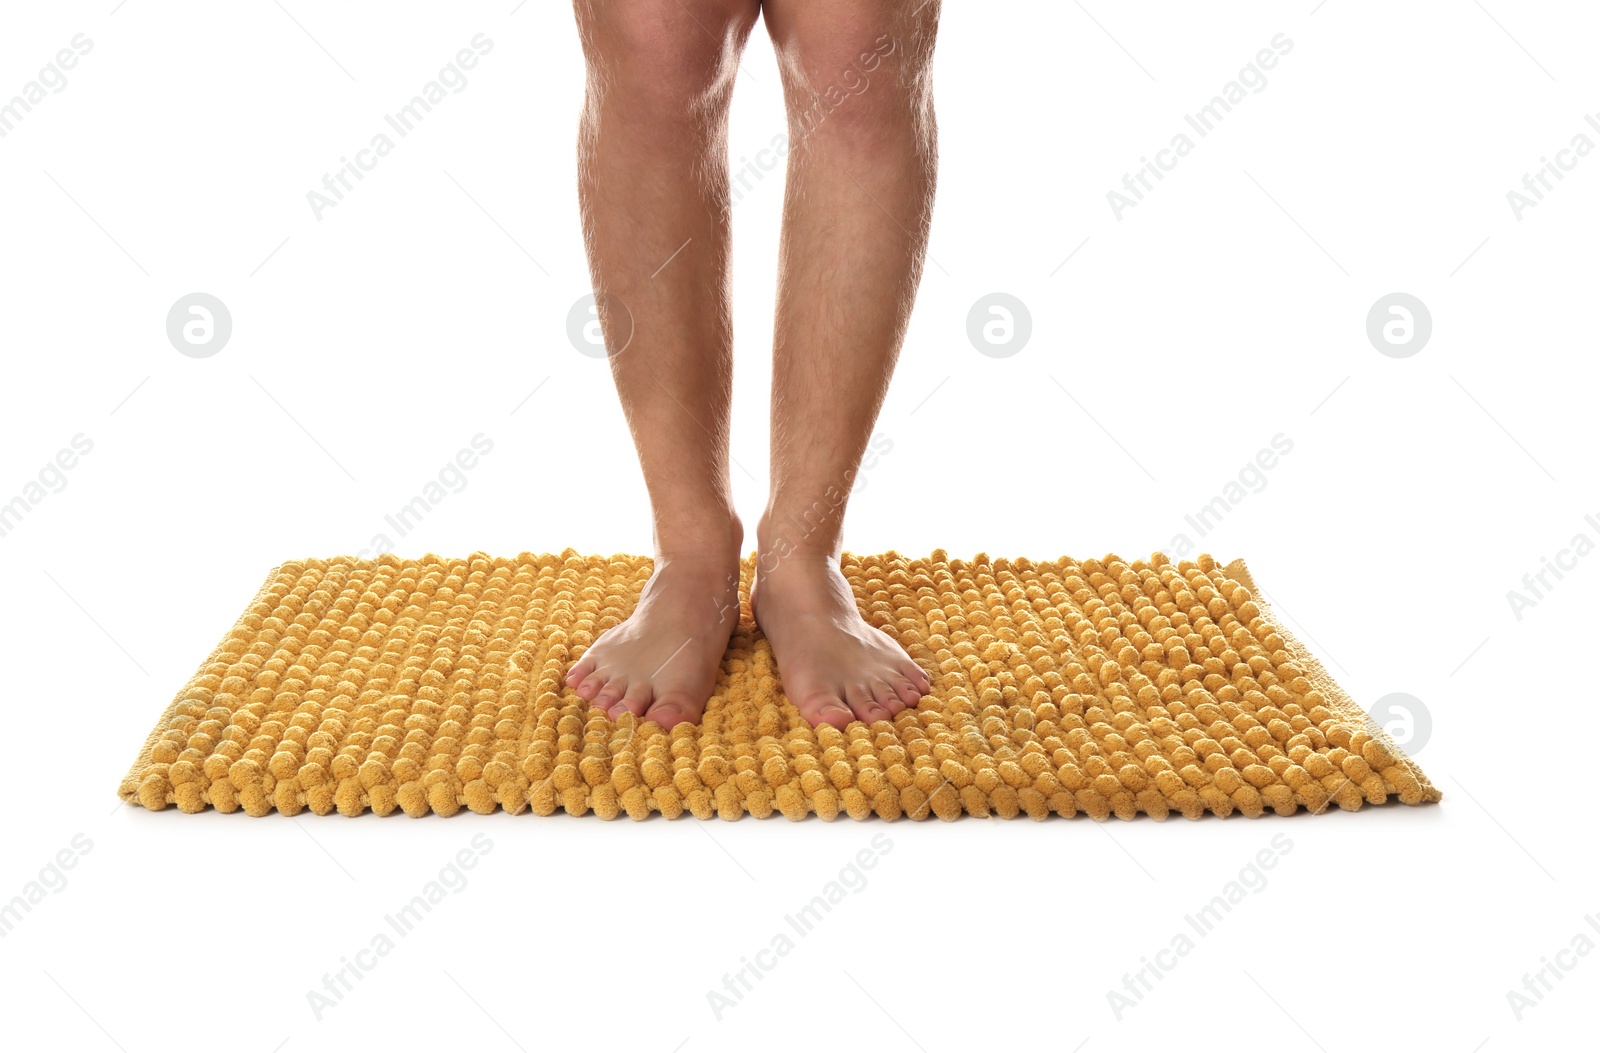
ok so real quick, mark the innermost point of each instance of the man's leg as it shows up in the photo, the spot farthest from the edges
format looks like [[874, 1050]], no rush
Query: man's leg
[[653, 185], [856, 212]]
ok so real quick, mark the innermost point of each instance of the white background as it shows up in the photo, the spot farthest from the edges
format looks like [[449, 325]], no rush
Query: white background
[[371, 344]]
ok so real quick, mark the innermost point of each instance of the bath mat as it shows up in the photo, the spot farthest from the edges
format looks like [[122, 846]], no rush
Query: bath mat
[[1061, 687]]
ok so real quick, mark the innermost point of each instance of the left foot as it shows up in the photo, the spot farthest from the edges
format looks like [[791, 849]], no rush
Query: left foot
[[834, 667]]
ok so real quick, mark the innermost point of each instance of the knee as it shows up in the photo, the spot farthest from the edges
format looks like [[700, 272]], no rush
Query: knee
[[655, 63], [864, 88]]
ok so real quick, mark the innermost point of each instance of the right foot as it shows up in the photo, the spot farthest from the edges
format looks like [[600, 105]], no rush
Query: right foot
[[661, 663]]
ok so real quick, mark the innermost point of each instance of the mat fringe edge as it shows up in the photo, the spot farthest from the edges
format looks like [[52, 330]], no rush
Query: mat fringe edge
[[1336, 696], [128, 789]]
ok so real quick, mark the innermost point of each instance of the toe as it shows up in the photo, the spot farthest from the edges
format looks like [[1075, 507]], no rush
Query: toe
[[580, 669], [825, 707], [635, 700], [590, 687], [863, 705], [908, 693], [917, 676], [670, 710], [608, 697], [887, 698]]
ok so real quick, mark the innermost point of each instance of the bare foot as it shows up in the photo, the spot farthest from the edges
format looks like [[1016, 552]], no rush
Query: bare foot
[[835, 667], [661, 663]]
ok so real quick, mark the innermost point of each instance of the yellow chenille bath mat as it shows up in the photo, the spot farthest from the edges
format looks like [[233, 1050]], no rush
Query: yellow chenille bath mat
[[1102, 686]]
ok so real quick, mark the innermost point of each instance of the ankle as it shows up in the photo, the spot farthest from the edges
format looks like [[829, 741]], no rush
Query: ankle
[[713, 539], [785, 537]]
